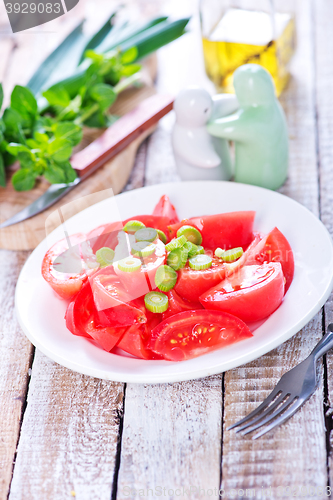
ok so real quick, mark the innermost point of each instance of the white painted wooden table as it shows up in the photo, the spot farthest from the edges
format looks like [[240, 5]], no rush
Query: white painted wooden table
[[65, 435]]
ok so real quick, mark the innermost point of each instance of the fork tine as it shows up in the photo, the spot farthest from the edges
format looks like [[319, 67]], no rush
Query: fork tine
[[282, 418], [265, 414], [253, 413], [270, 416]]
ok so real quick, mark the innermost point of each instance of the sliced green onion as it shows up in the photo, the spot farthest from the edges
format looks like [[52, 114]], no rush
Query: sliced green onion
[[200, 262], [165, 278], [132, 226], [176, 243], [191, 248], [156, 302], [200, 249], [105, 256], [129, 265], [191, 234], [143, 248], [218, 252], [161, 236], [146, 234], [177, 258], [231, 255]]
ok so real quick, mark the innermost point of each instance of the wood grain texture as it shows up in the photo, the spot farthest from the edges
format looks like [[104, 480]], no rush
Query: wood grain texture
[[16, 352], [171, 440], [294, 455], [323, 18], [69, 435]]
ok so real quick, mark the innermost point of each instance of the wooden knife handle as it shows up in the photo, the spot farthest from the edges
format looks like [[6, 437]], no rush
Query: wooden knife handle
[[121, 133]]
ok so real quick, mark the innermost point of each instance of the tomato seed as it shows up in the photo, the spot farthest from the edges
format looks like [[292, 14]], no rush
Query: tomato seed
[[199, 330], [173, 341], [211, 329], [180, 335]]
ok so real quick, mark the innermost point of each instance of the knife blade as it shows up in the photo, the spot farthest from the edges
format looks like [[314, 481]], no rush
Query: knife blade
[[116, 138]]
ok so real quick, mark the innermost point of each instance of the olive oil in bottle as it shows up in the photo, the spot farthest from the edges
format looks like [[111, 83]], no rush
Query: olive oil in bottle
[[249, 36]]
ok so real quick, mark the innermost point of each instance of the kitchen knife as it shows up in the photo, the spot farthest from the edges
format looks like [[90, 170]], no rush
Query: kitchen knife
[[116, 138]]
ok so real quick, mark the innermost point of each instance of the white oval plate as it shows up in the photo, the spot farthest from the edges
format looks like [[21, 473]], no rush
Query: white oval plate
[[41, 313]]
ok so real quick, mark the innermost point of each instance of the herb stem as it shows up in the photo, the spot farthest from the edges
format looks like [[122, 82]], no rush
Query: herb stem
[[123, 84], [81, 119]]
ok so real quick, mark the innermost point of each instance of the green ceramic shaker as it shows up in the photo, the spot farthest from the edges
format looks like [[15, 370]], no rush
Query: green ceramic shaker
[[259, 129]]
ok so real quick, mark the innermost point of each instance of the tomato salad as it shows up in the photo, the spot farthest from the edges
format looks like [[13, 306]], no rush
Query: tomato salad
[[160, 288]]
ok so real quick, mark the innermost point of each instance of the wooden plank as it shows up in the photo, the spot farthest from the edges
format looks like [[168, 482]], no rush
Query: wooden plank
[[171, 440], [294, 455], [69, 435], [16, 355], [323, 18]]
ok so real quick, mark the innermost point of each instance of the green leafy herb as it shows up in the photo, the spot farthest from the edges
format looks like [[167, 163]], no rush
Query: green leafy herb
[[41, 136]]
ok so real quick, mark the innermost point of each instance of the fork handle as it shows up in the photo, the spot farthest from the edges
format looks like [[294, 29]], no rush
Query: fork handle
[[325, 344]]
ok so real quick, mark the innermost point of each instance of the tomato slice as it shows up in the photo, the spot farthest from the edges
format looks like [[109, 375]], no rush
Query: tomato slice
[[135, 339], [165, 208], [65, 284], [274, 248], [191, 284], [190, 334], [177, 305], [80, 320], [113, 304], [228, 230], [253, 293]]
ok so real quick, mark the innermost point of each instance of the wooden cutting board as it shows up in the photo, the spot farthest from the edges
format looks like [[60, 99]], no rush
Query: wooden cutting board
[[113, 174]]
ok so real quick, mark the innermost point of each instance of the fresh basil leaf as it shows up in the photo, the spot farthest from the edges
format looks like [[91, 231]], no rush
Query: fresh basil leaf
[[69, 171], [2, 172], [40, 137], [129, 55], [1, 97], [97, 120], [39, 166], [33, 144], [14, 148], [69, 131], [26, 159], [57, 96], [2, 126], [24, 102], [104, 95], [23, 180], [54, 174], [130, 69], [60, 149], [12, 119], [94, 56]]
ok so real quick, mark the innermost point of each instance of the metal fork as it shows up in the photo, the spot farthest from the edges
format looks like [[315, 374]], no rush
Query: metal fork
[[292, 391]]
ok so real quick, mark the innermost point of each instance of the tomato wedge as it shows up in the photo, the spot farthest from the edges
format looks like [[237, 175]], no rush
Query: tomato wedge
[[190, 334], [80, 320], [65, 284], [177, 304], [191, 284], [252, 293], [228, 230], [274, 248], [135, 339], [165, 208], [113, 304]]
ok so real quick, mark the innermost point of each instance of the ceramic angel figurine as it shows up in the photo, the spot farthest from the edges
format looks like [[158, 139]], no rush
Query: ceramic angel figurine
[[258, 128], [198, 155]]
